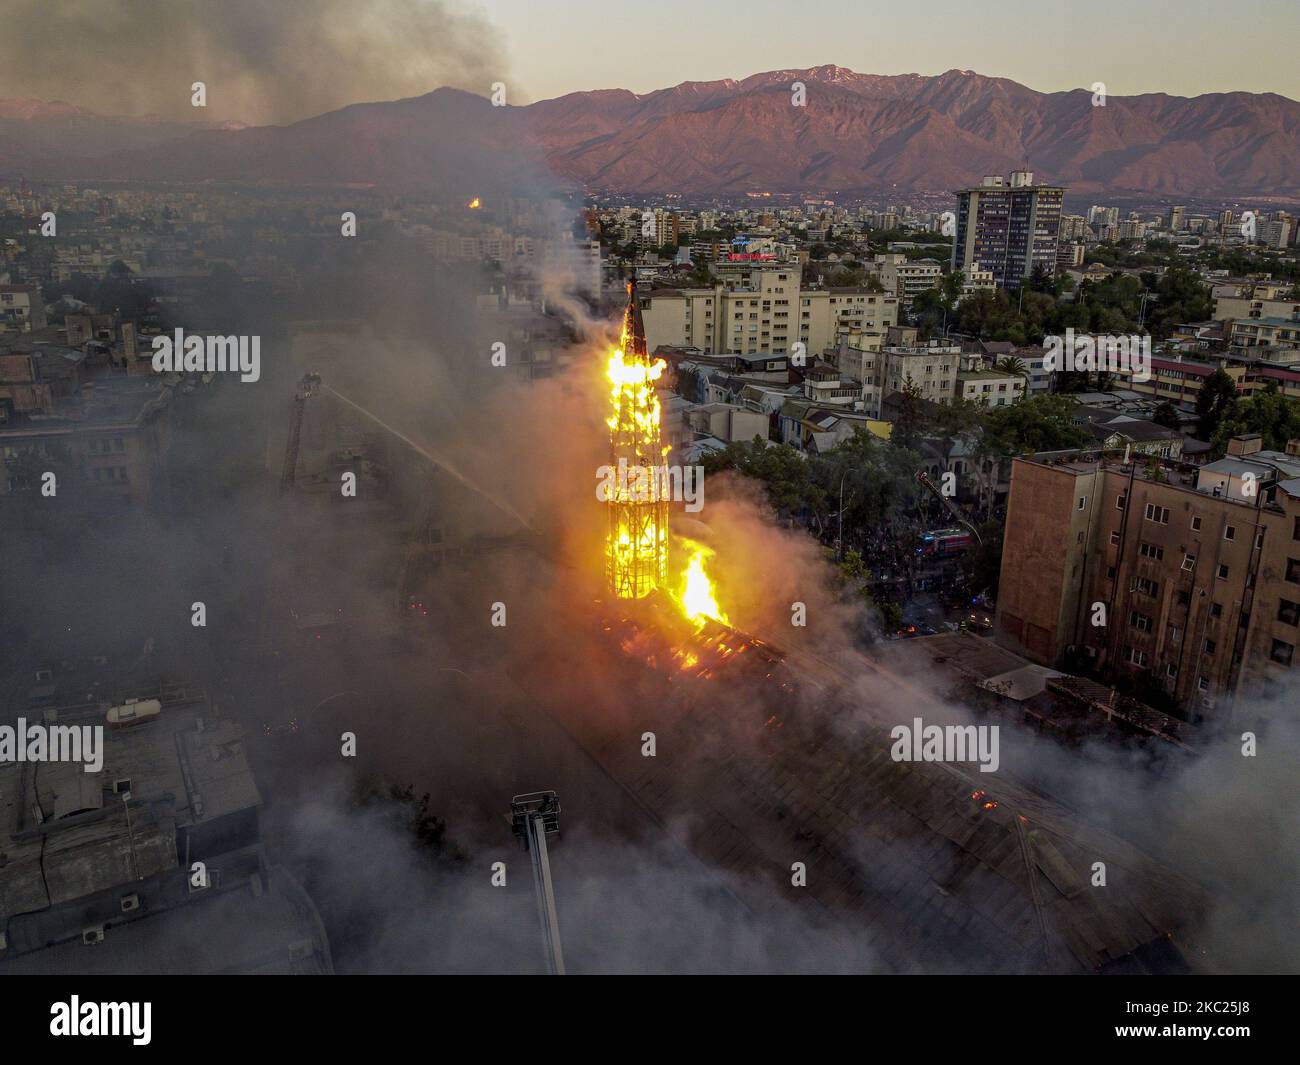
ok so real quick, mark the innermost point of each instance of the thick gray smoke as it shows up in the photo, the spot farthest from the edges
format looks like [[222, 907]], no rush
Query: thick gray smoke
[[261, 64]]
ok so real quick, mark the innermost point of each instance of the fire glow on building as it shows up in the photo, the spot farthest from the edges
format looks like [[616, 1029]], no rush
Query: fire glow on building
[[636, 552]]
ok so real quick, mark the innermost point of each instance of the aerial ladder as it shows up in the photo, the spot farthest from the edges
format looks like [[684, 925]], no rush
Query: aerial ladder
[[923, 479], [307, 387], [534, 817]]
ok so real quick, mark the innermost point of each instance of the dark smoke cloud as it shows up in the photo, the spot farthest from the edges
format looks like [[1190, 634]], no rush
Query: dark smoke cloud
[[262, 60], [623, 908]]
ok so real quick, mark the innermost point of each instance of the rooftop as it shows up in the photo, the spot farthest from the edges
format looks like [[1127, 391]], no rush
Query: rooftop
[[274, 932], [999, 375], [66, 830], [1178, 475], [111, 402], [1273, 321], [1197, 369]]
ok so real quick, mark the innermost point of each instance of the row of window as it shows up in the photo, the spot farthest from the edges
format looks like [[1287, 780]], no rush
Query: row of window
[[1281, 652], [1138, 657], [1160, 515]]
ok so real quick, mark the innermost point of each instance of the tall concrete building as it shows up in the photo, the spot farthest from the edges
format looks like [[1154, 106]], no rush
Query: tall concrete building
[[1189, 575], [666, 228], [1008, 227], [1276, 232]]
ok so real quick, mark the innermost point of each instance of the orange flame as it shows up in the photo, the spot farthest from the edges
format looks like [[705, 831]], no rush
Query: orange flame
[[698, 597]]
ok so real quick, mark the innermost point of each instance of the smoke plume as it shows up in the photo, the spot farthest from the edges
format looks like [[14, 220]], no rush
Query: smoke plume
[[261, 62]]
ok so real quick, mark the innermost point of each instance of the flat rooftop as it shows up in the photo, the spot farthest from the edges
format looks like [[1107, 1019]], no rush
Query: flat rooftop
[[276, 932], [105, 403], [1174, 474], [64, 831]]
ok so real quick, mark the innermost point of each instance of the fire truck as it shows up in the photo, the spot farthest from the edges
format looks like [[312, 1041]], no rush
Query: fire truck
[[944, 543]]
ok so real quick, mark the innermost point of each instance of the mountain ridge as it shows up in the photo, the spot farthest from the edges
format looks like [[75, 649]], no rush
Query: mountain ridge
[[857, 133]]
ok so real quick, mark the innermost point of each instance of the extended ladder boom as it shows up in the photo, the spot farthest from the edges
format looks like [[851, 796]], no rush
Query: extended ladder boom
[[535, 816], [923, 479]]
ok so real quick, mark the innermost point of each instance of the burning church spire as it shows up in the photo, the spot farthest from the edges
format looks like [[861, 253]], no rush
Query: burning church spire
[[637, 545]]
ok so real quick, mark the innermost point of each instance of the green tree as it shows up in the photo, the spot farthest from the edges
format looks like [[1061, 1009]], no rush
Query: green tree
[[1167, 415], [955, 418], [879, 487], [1040, 423], [400, 807], [1216, 398], [1267, 412], [700, 276], [1042, 279], [934, 309], [783, 471], [688, 383], [910, 424], [1180, 297]]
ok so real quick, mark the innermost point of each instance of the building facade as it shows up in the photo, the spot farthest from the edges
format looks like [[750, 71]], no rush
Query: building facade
[[1190, 577], [761, 310], [21, 308], [907, 278], [1008, 228]]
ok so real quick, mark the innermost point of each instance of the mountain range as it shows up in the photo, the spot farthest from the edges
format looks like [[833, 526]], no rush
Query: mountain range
[[856, 134]]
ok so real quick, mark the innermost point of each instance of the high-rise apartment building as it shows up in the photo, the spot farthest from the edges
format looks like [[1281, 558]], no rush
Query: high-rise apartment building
[[1008, 227]]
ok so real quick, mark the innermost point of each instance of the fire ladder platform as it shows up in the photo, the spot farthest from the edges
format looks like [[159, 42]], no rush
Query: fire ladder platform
[[534, 817]]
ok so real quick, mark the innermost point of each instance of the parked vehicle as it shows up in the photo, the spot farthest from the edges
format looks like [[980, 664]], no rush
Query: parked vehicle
[[945, 543]]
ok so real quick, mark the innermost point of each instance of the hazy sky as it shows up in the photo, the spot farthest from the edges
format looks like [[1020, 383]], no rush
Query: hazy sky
[[280, 61], [1183, 47]]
